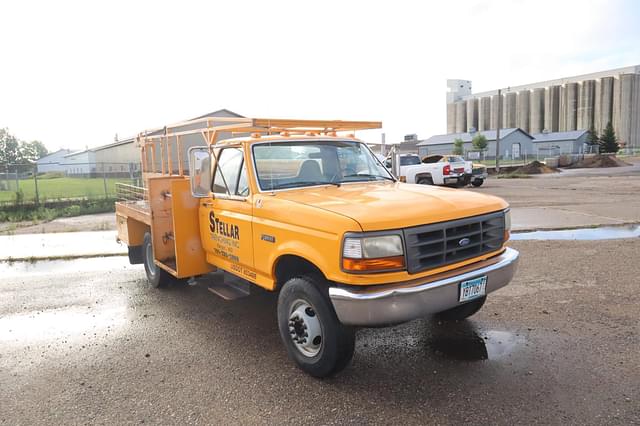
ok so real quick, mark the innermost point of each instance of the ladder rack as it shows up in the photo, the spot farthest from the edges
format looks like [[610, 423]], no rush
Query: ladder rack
[[210, 129]]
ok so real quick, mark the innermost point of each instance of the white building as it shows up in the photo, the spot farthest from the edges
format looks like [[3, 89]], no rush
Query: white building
[[52, 162], [82, 163]]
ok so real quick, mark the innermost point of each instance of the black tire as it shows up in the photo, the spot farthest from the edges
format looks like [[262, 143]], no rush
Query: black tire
[[461, 312], [477, 182], [156, 276], [425, 181], [334, 351]]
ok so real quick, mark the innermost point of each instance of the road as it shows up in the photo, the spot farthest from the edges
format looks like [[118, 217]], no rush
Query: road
[[86, 341]]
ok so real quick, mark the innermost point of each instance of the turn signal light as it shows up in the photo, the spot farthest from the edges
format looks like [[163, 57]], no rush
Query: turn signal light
[[380, 264]]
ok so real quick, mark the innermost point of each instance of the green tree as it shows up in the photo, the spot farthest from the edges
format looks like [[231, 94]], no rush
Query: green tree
[[592, 136], [608, 140], [458, 146], [29, 152], [479, 142], [9, 147]]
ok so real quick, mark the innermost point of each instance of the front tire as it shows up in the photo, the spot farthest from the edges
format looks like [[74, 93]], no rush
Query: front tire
[[461, 312], [310, 330], [425, 181], [156, 276]]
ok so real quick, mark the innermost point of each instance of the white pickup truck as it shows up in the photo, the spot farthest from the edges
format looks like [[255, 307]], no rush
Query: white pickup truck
[[430, 171]]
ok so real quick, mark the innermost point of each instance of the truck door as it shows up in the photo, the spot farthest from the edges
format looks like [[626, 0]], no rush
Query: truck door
[[226, 216]]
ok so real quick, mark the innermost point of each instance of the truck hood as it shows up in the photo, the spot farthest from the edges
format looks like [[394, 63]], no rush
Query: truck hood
[[379, 206]]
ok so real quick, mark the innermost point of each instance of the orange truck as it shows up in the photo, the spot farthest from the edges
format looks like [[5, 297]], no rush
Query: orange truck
[[304, 209]]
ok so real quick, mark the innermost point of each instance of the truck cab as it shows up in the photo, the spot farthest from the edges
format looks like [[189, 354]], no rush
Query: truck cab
[[315, 217]]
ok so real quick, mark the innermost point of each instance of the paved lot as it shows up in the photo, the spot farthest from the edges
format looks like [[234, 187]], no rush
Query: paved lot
[[574, 198], [86, 342]]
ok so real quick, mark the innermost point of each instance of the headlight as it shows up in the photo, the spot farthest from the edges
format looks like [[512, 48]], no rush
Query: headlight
[[373, 254]]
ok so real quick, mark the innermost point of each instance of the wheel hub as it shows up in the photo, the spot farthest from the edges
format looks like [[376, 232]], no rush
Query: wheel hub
[[305, 329]]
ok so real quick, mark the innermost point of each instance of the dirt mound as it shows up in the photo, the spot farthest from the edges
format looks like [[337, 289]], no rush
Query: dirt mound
[[596, 161], [535, 168]]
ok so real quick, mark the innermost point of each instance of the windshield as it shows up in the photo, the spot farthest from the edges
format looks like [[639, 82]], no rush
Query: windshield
[[306, 163]]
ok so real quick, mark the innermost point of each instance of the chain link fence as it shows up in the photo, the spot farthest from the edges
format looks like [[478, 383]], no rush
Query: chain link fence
[[38, 184]]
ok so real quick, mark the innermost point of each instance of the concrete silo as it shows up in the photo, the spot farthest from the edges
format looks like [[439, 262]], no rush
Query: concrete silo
[[603, 108], [451, 117], [536, 119], [523, 104], [484, 113], [569, 107], [552, 109], [509, 110], [461, 116], [495, 102], [628, 129], [586, 102], [472, 114]]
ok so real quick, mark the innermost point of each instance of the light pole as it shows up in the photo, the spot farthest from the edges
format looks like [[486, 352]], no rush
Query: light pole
[[498, 131]]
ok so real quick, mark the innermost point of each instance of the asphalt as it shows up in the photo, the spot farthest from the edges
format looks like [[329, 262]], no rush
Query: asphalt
[[87, 342]]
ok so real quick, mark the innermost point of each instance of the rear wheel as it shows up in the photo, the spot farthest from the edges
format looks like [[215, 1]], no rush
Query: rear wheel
[[156, 276], [461, 312], [477, 182], [311, 332], [425, 181]]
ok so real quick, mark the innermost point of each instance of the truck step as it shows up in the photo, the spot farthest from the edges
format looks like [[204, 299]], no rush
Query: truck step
[[231, 288]]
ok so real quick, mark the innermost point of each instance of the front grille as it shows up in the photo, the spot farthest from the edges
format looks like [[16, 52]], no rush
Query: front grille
[[439, 244]]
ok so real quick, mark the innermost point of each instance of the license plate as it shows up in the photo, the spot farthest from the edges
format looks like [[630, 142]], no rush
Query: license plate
[[473, 289]]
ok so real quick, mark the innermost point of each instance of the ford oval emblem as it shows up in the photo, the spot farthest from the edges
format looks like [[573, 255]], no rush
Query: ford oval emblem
[[464, 242]]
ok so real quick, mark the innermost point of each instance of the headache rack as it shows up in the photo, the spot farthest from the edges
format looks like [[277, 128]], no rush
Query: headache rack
[[169, 140]]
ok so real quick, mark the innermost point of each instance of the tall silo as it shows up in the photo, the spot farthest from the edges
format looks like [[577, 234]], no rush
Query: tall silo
[[603, 108], [628, 130], [495, 99], [461, 117], [509, 110], [484, 113], [523, 103], [552, 109], [451, 118], [586, 102], [536, 120], [472, 114], [570, 103]]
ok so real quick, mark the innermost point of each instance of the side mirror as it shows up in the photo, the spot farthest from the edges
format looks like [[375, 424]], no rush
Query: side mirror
[[200, 171]]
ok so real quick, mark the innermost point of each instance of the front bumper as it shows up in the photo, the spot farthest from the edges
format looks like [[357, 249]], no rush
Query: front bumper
[[400, 302]]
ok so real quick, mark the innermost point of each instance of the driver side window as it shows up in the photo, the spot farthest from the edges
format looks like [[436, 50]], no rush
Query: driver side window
[[230, 176]]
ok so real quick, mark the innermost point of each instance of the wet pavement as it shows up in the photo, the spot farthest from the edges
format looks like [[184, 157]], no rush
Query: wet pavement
[[86, 341], [60, 245], [584, 234]]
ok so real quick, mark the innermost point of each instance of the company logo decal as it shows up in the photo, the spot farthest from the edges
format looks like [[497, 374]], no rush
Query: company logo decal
[[224, 229]]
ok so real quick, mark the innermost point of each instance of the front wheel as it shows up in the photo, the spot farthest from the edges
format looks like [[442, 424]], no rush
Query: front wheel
[[425, 181], [311, 332], [156, 276], [461, 312]]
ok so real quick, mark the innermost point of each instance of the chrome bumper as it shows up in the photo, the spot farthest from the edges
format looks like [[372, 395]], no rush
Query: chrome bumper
[[400, 302]]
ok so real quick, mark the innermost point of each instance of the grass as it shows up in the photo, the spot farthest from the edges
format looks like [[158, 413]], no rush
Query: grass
[[46, 213], [53, 188]]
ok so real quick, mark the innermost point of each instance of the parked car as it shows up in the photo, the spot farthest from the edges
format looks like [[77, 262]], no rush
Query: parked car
[[414, 170]]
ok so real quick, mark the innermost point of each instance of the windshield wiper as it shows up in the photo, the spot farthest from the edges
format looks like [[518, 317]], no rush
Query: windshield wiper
[[303, 184], [375, 177]]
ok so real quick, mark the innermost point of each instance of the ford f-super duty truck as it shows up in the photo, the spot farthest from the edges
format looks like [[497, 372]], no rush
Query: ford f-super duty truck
[[305, 210]]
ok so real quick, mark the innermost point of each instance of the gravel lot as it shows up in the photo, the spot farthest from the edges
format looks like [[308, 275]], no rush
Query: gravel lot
[[87, 342]]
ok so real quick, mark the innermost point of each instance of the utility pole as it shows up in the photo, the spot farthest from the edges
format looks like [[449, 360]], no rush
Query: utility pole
[[498, 131]]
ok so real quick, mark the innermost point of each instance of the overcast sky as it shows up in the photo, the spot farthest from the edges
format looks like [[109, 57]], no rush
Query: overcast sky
[[73, 74]]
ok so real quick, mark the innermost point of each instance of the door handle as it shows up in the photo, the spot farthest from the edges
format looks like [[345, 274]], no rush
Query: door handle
[[207, 204]]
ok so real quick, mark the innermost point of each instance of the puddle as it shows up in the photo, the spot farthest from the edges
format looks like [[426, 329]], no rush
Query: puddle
[[462, 341], [48, 267], [602, 233]]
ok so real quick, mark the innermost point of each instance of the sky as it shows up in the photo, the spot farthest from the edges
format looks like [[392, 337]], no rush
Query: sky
[[75, 74]]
